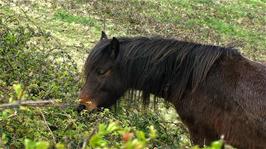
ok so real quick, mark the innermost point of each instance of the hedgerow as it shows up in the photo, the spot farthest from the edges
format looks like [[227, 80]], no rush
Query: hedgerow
[[35, 67]]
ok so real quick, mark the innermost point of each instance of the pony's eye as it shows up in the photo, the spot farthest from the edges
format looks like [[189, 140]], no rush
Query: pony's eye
[[100, 71]]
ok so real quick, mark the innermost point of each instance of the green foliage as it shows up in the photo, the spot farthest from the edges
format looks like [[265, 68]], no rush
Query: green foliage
[[126, 138], [35, 145], [33, 67], [214, 145], [29, 144], [18, 90], [31, 60]]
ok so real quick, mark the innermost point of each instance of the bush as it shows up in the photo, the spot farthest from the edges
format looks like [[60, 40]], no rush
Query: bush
[[35, 66], [32, 58]]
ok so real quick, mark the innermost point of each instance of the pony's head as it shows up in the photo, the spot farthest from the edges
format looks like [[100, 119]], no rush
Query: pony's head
[[104, 81]]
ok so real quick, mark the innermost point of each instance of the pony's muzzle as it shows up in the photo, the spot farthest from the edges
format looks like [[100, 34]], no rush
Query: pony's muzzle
[[86, 104], [80, 108]]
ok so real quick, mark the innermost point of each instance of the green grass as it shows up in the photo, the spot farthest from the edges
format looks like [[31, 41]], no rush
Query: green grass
[[65, 16], [239, 23]]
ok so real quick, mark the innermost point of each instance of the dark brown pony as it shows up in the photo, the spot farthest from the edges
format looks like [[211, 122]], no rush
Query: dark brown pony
[[215, 90]]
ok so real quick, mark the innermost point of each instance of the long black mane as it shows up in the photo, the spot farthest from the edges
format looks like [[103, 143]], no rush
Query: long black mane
[[158, 65]]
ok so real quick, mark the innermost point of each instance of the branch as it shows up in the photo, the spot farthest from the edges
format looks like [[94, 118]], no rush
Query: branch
[[87, 139], [47, 125], [31, 103]]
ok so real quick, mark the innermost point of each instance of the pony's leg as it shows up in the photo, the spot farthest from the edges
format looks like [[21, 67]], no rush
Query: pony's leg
[[200, 137]]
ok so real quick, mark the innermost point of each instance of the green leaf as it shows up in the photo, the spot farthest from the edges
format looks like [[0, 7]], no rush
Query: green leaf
[[29, 144], [141, 136], [111, 127], [42, 145], [196, 147], [60, 146], [4, 138], [153, 133], [97, 141], [5, 114], [217, 145], [18, 90], [102, 129]]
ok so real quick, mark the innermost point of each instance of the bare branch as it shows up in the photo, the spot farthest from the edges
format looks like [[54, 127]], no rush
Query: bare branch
[[47, 125], [31, 103], [87, 139]]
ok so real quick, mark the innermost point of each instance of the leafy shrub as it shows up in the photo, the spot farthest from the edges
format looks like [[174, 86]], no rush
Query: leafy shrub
[[32, 58], [35, 66], [127, 138]]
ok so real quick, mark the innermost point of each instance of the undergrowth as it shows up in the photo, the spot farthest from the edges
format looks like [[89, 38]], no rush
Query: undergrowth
[[35, 67]]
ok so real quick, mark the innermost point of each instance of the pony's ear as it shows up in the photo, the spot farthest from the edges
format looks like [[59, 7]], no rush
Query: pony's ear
[[103, 36], [114, 47]]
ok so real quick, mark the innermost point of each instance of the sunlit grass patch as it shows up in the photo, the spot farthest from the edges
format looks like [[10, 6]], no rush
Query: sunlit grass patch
[[67, 17]]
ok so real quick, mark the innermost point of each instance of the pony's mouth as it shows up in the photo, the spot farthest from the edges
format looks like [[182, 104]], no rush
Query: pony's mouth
[[86, 104]]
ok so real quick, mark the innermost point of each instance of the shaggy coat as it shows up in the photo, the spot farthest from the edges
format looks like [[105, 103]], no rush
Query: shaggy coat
[[215, 90]]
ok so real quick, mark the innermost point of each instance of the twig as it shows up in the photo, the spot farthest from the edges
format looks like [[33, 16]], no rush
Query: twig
[[87, 139], [30, 103], [85, 142], [47, 125], [27, 17]]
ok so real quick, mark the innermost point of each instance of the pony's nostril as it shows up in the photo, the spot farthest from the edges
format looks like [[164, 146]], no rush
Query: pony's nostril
[[80, 108]]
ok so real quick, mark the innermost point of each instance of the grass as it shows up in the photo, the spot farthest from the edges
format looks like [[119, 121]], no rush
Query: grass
[[65, 16], [238, 23]]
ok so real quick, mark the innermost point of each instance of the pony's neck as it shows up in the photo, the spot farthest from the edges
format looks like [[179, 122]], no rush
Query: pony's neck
[[142, 74], [166, 67]]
